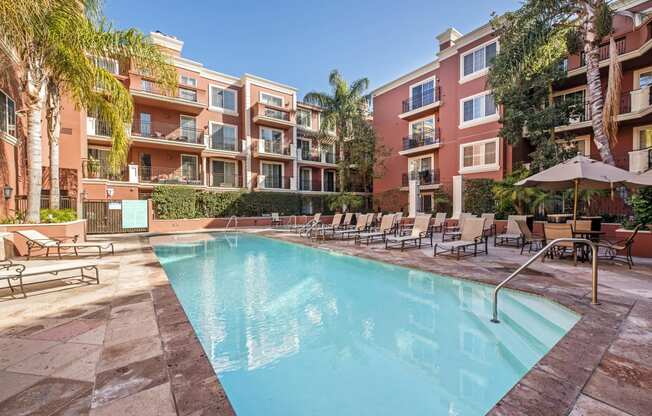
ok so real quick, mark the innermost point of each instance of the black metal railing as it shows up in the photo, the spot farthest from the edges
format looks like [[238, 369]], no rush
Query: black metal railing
[[167, 131], [96, 169], [425, 177], [216, 143], [421, 139], [277, 182], [101, 128], [307, 184], [307, 155], [65, 202], [170, 176], [186, 94], [417, 101], [581, 110], [221, 180], [276, 147], [277, 114], [603, 51]]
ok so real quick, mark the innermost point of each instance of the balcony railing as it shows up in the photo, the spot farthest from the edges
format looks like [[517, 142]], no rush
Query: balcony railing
[[220, 180], [323, 157], [275, 182], [425, 177], [274, 115], [422, 139], [274, 147], [307, 184], [417, 101], [603, 51], [169, 176], [167, 131], [630, 101], [95, 169], [182, 93], [97, 127], [221, 144], [640, 160]]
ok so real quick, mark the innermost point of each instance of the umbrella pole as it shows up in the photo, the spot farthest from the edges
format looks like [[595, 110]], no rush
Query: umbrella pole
[[575, 204]]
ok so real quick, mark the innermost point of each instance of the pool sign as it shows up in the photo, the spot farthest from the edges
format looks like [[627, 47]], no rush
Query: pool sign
[[134, 213]]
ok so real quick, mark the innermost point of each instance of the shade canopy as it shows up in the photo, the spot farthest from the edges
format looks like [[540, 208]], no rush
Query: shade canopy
[[580, 171], [644, 179]]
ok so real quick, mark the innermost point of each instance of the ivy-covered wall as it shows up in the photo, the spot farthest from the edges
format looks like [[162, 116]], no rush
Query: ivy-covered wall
[[179, 202]]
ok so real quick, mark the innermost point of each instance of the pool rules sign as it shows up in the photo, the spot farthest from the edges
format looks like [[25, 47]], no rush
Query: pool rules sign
[[134, 213]]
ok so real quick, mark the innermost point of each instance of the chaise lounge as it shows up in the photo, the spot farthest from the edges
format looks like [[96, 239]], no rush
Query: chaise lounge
[[472, 236], [37, 240], [420, 230]]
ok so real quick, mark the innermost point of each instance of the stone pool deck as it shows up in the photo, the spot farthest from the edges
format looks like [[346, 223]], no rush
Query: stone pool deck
[[125, 346]]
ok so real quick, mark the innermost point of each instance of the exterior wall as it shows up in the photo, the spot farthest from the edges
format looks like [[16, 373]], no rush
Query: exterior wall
[[67, 230]]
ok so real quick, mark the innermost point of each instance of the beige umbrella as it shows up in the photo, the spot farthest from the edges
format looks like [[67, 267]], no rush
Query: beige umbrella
[[579, 172], [644, 179]]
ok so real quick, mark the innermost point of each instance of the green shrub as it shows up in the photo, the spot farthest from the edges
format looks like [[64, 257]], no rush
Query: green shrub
[[642, 205], [478, 196], [50, 216], [217, 204], [175, 202], [350, 201]]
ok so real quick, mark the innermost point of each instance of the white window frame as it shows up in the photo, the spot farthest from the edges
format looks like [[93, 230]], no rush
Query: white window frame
[[218, 159], [411, 123], [211, 123], [267, 162], [222, 109], [423, 81], [260, 133], [482, 72], [114, 62], [304, 140], [416, 162], [572, 91], [483, 167], [637, 77], [481, 120], [303, 168], [262, 93], [309, 126], [12, 136], [193, 85], [636, 136], [196, 157]]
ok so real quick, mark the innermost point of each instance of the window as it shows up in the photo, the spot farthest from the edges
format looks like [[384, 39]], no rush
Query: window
[[329, 150], [479, 59], [304, 118], [305, 177], [422, 128], [146, 85], [480, 155], [644, 138], [189, 167], [329, 181], [581, 145], [190, 95], [422, 94], [223, 174], [222, 98], [304, 148], [108, 64], [145, 124], [188, 80], [478, 107], [223, 137], [189, 129], [7, 115], [271, 99], [645, 79], [575, 104], [273, 175], [272, 139]]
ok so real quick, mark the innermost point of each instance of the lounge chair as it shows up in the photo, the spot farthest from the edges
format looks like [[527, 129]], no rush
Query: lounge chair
[[512, 234], [322, 229], [381, 233], [489, 224], [276, 220], [299, 228], [398, 222], [454, 232], [472, 236], [420, 230], [346, 222], [364, 222], [440, 222], [533, 241], [611, 249], [11, 271], [37, 240], [554, 231]]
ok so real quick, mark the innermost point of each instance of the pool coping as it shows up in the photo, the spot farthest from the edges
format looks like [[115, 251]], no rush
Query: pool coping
[[553, 386]]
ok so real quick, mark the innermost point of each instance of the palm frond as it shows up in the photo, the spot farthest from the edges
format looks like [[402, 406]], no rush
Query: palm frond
[[612, 98]]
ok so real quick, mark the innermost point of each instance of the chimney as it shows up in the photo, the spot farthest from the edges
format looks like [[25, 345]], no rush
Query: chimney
[[168, 42], [447, 38]]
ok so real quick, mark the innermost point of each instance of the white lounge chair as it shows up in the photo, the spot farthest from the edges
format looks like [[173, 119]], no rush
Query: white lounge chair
[[37, 240], [512, 234], [364, 222], [472, 236], [420, 230], [439, 223], [11, 271], [454, 232], [321, 229], [385, 228]]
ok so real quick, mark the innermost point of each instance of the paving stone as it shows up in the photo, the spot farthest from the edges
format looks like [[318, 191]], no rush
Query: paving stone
[[94, 336], [124, 381], [206, 397], [119, 355], [45, 397], [68, 330], [133, 298], [156, 401], [119, 331], [587, 406], [82, 368], [14, 350], [57, 358], [13, 383]]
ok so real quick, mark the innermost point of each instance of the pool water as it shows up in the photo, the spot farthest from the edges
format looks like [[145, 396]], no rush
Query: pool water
[[292, 330]]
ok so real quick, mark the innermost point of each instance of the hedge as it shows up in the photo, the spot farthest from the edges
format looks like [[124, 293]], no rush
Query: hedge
[[179, 202], [478, 196]]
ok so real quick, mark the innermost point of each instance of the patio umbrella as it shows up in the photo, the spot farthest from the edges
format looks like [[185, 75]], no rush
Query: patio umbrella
[[579, 172], [644, 179]]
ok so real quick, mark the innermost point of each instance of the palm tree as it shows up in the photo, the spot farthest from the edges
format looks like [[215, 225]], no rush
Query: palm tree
[[341, 108], [55, 42]]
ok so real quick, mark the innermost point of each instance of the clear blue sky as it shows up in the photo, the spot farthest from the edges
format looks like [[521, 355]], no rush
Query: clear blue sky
[[299, 42]]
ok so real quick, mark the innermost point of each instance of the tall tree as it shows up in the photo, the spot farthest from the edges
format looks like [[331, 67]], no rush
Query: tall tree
[[342, 110]]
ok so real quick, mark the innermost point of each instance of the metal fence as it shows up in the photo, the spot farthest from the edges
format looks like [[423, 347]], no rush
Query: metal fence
[[64, 203], [105, 217]]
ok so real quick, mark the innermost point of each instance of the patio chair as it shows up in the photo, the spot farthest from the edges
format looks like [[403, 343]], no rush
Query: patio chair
[[322, 229], [454, 232], [37, 240], [490, 223], [346, 222], [530, 239], [512, 234], [11, 271], [299, 228], [381, 233], [420, 230], [554, 231], [472, 236], [624, 246], [360, 227], [398, 220], [276, 220], [582, 225], [440, 222]]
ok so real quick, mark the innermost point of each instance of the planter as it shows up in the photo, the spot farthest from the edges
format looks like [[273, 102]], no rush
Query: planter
[[642, 242]]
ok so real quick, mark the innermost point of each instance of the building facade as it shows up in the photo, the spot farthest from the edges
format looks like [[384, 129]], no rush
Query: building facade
[[218, 133], [441, 124]]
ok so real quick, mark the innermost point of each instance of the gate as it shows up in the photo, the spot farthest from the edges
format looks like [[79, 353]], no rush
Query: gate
[[115, 216]]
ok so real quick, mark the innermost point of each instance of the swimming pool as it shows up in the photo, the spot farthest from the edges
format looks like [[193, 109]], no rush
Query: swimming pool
[[292, 330]]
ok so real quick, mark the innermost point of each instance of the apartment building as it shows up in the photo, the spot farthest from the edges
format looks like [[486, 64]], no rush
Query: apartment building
[[217, 132], [441, 123]]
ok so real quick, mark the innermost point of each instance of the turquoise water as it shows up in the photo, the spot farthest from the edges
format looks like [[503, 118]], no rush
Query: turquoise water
[[292, 330]]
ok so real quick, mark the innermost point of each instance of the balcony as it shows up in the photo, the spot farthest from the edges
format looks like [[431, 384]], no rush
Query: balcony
[[640, 160], [95, 169], [272, 116], [418, 105], [168, 132], [220, 180], [274, 149], [275, 182], [426, 178], [168, 176], [185, 98], [322, 157], [603, 51], [97, 128], [420, 142]]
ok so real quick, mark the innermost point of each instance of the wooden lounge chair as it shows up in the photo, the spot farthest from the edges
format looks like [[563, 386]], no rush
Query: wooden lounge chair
[[553, 231], [611, 249], [472, 236], [37, 240], [454, 232], [533, 241], [420, 230], [439, 223], [11, 271], [381, 233], [512, 234]]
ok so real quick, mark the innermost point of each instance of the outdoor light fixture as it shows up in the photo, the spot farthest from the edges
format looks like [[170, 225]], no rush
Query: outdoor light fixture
[[6, 191]]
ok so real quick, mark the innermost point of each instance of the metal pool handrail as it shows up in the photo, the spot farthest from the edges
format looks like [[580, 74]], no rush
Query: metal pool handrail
[[232, 217], [543, 251]]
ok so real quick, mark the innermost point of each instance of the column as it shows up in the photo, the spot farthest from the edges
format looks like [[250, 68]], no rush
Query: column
[[204, 171], [458, 196]]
